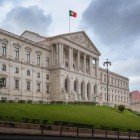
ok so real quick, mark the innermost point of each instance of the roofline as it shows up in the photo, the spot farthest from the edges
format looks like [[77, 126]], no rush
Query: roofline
[[22, 39], [113, 73], [33, 34], [61, 35]]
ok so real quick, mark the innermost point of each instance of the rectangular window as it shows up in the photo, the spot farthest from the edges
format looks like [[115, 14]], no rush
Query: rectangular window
[[48, 88], [28, 72], [48, 77], [16, 83], [28, 56], [28, 85], [17, 52], [38, 59], [38, 86], [4, 81], [3, 67], [3, 49], [47, 62], [38, 75], [17, 70]]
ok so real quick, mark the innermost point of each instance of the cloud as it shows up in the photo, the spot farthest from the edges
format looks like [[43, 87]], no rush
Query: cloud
[[129, 68], [135, 82], [114, 21], [31, 18]]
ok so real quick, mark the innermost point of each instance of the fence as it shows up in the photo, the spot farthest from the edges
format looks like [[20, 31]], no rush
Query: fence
[[61, 130]]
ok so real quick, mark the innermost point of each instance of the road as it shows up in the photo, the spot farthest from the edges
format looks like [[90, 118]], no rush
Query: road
[[19, 137]]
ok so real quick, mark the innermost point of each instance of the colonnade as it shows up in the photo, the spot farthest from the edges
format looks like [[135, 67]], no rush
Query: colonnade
[[81, 89], [73, 59]]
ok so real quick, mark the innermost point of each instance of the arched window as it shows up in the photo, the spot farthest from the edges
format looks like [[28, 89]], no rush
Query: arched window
[[89, 90], [95, 88], [83, 90], [66, 84], [75, 86]]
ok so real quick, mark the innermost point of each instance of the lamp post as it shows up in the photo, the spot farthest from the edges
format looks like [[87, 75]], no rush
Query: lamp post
[[107, 63]]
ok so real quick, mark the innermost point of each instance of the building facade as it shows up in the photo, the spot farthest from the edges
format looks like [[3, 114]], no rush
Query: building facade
[[59, 68]]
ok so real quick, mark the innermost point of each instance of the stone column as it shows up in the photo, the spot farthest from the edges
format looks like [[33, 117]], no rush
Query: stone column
[[90, 65], [70, 57], [96, 67], [52, 58], [85, 92], [57, 53], [78, 60], [60, 53], [84, 63]]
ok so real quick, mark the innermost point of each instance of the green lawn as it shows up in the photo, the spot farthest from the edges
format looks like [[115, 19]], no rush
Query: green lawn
[[95, 115]]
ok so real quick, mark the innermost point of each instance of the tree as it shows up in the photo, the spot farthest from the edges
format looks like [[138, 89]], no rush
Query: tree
[[121, 108]]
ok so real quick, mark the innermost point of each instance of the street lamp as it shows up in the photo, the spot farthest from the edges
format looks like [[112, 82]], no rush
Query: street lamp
[[107, 63]]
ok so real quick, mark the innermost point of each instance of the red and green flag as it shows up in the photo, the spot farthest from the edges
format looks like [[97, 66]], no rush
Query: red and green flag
[[72, 14]]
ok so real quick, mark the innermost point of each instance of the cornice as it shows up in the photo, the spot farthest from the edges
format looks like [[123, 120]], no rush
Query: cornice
[[92, 77], [114, 86], [115, 74], [23, 39], [24, 63]]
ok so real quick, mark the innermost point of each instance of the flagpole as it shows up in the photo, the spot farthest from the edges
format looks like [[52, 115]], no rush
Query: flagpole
[[69, 23]]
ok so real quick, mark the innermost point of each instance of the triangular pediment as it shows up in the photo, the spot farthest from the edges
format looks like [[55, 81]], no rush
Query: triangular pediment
[[81, 39]]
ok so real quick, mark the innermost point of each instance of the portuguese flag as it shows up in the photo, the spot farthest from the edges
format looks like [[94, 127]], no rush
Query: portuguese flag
[[72, 14]]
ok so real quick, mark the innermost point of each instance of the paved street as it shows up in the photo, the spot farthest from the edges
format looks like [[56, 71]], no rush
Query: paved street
[[10, 137]]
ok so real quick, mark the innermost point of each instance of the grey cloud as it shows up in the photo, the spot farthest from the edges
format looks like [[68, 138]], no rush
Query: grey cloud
[[31, 18], [129, 67], [114, 21]]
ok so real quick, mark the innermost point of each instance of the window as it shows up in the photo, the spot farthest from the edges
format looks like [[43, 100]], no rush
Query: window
[[28, 56], [101, 88], [28, 85], [47, 76], [112, 80], [3, 49], [38, 86], [38, 75], [38, 59], [101, 77], [17, 70], [95, 88], [28, 72], [3, 67], [104, 78], [16, 83], [3, 81], [17, 52], [47, 62], [48, 88], [66, 64]]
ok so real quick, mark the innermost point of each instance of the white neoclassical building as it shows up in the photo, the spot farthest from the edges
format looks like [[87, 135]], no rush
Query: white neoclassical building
[[59, 68]]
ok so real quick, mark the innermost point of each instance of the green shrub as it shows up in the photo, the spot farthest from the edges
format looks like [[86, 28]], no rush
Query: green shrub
[[3, 101], [25, 120], [21, 101], [121, 108], [11, 101], [29, 101], [41, 102]]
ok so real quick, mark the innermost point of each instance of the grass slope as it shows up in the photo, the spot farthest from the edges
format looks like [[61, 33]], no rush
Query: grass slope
[[95, 115]]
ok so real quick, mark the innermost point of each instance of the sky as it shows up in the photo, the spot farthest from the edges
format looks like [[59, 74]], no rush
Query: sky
[[112, 25]]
